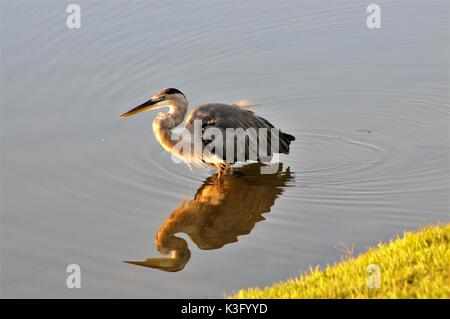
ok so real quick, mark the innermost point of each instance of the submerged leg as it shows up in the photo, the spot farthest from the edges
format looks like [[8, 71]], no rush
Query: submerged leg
[[223, 169]]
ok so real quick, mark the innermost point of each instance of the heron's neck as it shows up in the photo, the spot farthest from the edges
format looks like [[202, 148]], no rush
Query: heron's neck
[[165, 122]]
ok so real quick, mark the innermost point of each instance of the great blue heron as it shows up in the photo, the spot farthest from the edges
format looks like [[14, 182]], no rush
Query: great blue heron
[[213, 115]]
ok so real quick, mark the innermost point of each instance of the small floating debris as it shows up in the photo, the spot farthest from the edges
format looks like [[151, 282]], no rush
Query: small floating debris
[[363, 130]]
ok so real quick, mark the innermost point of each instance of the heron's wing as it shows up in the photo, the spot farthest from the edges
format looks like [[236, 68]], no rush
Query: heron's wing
[[224, 116]]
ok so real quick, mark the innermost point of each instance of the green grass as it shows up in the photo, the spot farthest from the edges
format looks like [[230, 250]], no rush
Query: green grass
[[415, 266]]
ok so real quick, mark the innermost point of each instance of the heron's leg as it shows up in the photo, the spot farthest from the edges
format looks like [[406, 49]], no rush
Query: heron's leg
[[223, 169], [220, 170]]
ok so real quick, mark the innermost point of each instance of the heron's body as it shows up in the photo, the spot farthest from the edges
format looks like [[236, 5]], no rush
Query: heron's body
[[216, 116]]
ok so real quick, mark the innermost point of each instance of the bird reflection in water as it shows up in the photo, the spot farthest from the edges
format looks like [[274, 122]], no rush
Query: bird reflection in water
[[222, 209]]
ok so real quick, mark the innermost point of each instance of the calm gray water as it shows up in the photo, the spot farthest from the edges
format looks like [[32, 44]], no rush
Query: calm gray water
[[370, 110]]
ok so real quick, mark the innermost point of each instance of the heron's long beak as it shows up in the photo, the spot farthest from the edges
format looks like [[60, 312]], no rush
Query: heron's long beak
[[165, 264], [149, 105]]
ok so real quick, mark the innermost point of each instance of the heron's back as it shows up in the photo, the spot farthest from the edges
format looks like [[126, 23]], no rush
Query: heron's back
[[225, 116]]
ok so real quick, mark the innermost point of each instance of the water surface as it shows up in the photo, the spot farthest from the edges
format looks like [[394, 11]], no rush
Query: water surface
[[369, 109]]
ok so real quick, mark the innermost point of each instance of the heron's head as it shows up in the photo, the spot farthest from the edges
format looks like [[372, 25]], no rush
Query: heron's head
[[163, 98]]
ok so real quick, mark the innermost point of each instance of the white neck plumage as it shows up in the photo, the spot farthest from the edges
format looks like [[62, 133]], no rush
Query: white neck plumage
[[165, 122]]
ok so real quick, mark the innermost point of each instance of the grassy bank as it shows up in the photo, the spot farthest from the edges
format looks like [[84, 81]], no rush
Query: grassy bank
[[415, 266]]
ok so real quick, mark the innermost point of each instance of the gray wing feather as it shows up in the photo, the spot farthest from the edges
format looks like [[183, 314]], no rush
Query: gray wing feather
[[225, 116]]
